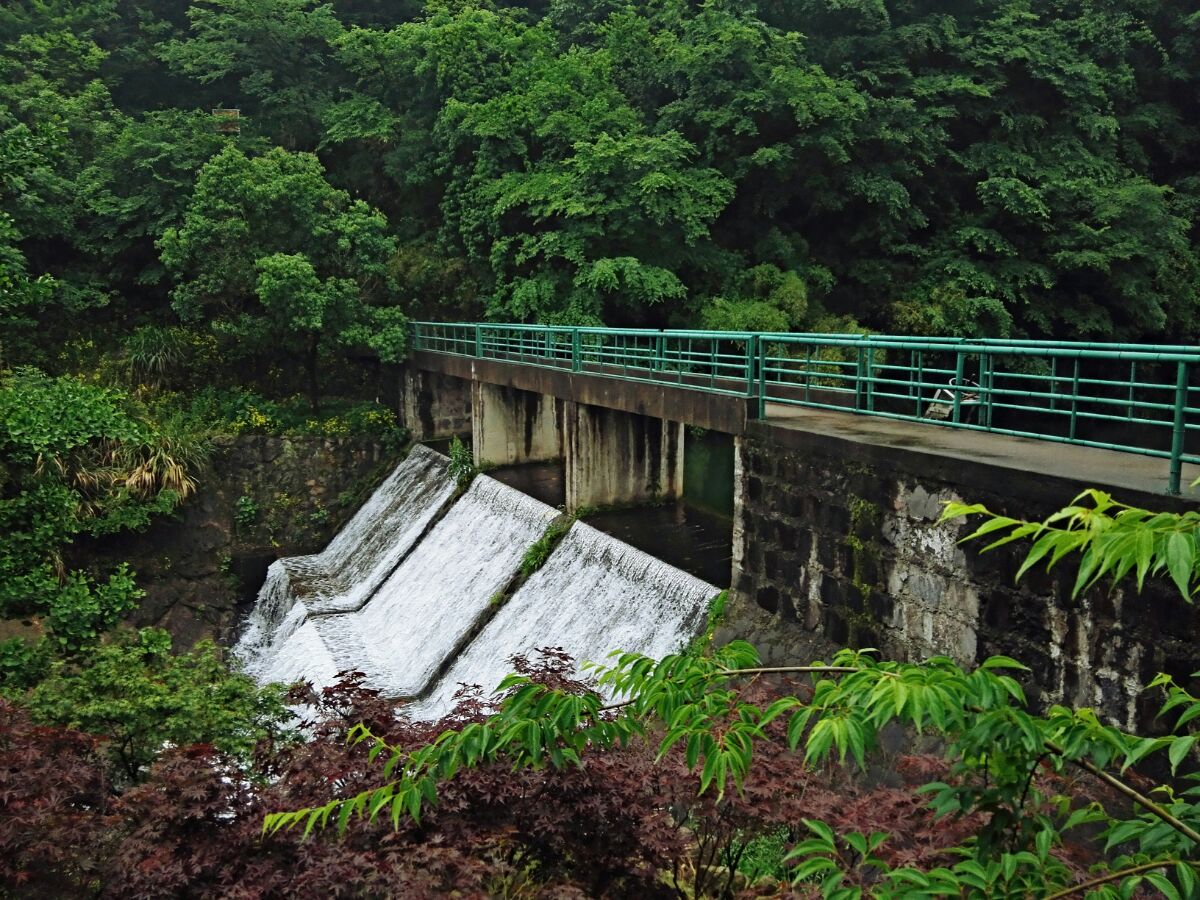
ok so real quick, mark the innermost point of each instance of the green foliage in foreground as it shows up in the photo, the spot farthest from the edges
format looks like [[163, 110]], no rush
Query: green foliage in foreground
[[1111, 540], [997, 747], [1000, 753], [142, 697]]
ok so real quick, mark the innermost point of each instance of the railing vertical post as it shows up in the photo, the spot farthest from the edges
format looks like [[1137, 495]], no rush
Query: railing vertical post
[[870, 373], [659, 348], [807, 373], [988, 385], [858, 378], [1177, 428], [959, 368], [751, 355], [479, 342], [1074, 397], [762, 378], [920, 381], [1132, 381], [576, 350]]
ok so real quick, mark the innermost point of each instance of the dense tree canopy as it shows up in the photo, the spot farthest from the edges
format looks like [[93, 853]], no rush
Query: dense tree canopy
[[994, 168]]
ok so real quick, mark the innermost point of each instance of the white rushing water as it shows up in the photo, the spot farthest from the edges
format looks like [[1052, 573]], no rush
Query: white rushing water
[[280, 642], [594, 595], [416, 620], [412, 603]]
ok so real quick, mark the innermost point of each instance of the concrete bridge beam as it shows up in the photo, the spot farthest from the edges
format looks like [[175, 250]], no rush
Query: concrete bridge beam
[[615, 457]]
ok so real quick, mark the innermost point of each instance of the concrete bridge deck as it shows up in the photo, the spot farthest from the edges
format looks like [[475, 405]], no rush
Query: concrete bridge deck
[[1131, 477]]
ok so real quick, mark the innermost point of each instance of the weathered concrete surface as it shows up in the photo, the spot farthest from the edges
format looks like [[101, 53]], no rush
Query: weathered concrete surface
[[618, 457], [719, 412], [1024, 463], [836, 538], [511, 426], [433, 405]]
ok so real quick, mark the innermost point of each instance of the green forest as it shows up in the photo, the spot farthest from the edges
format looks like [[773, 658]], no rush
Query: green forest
[[218, 218], [978, 168]]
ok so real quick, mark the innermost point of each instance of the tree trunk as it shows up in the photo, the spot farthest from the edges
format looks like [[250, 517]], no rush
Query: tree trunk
[[314, 388]]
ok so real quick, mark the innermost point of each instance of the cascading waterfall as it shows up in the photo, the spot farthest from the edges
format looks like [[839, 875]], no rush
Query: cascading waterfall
[[594, 595], [279, 642], [416, 620], [418, 603]]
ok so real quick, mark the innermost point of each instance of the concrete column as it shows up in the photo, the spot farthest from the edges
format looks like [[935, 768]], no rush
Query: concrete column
[[433, 405], [513, 426], [617, 457], [738, 580]]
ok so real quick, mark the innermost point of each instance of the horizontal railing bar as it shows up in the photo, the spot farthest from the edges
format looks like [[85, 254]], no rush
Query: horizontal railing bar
[[953, 343]]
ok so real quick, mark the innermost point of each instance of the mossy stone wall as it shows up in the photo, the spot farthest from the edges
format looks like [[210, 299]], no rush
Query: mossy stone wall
[[837, 547]]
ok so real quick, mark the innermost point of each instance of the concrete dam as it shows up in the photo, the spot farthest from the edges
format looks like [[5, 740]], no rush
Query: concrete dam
[[420, 592]]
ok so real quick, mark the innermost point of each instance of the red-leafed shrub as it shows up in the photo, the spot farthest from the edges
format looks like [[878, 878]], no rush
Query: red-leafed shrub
[[55, 827]]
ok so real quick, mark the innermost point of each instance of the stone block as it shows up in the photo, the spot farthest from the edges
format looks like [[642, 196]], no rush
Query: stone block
[[768, 599], [754, 489]]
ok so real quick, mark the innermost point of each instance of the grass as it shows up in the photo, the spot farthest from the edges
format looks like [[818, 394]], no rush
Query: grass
[[539, 551]]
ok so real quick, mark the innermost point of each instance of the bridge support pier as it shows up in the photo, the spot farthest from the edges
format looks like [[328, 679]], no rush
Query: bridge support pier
[[511, 426], [615, 457]]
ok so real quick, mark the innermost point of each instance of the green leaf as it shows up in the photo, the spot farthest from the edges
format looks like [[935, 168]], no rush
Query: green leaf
[[1181, 558], [1179, 749]]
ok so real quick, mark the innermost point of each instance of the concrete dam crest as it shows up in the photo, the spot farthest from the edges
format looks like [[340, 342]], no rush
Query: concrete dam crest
[[408, 592]]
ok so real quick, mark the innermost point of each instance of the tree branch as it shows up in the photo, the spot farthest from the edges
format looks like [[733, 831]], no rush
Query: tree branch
[[768, 670], [1138, 798], [1084, 886]]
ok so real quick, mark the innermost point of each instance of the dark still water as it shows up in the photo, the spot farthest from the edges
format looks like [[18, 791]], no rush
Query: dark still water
[[541, 481], [683, 536], [680, 534]]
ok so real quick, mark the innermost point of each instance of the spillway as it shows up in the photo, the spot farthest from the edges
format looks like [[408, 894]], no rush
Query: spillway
[[413, 593], [279, 642], [416, 620], [594, 595]]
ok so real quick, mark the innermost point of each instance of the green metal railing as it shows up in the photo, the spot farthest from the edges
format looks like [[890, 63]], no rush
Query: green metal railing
[[1134, 398]]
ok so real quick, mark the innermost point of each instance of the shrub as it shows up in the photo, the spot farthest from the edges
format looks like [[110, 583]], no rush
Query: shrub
[[141, 697]]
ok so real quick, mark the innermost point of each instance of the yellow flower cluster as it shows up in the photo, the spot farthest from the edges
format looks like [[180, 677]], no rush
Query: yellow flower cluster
[[331, 427], [252, 420], [384, 418]]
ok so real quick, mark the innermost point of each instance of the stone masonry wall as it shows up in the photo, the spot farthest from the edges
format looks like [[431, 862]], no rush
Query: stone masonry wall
[[202, 567], [836, 546]]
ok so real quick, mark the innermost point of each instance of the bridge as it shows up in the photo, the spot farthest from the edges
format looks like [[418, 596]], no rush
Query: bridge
[[1138, 401], [842, 449]]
